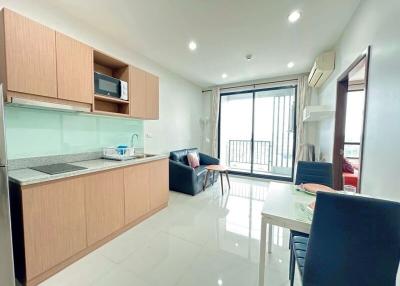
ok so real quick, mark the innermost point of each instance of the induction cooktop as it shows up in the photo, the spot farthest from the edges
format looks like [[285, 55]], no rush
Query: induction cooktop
[[60, 168]]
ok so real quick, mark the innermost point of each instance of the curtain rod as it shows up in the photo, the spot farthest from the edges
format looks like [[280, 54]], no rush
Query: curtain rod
[[254, 84]]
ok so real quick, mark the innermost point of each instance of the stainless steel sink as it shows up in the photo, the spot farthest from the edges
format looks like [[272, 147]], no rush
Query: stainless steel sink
[[143, 156]]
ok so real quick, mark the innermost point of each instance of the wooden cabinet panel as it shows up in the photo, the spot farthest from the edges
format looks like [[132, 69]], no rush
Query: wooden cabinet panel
[[54, 223], [30, 56], [74, 69], [104, 201], [159, 183], [137, 191], [152, 96], [137, 92]]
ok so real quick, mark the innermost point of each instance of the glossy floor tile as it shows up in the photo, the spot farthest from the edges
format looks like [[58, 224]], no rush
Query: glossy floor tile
[[208, 239]]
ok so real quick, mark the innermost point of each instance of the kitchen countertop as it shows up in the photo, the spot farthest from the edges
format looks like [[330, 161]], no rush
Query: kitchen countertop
[[28, 176]]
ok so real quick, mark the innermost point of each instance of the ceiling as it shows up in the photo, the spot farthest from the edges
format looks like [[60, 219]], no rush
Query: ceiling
[[225, 31]]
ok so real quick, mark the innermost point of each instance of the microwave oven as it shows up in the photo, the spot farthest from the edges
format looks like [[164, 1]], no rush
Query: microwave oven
[[110, 86]]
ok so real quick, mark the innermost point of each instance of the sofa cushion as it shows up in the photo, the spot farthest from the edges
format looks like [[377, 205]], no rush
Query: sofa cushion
[[181, 155], [193, 159]]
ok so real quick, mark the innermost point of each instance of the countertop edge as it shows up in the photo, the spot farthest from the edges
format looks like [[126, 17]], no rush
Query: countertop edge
[[49, 178]]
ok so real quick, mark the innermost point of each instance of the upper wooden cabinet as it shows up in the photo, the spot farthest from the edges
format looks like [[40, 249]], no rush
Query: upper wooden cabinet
[[152, 96], [30, 50], [144, 94], [74, 69]]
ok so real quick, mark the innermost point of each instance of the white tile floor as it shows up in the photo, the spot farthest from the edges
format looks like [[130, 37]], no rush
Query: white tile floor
[[203, 240]]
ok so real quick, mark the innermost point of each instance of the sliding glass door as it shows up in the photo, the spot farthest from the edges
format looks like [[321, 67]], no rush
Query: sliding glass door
[[257, 132]]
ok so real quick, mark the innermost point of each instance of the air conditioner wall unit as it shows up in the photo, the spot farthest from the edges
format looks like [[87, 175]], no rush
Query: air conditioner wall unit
[[322, 69]]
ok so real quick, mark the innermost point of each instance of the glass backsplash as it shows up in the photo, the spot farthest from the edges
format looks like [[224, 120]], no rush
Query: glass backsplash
[[37, 132]]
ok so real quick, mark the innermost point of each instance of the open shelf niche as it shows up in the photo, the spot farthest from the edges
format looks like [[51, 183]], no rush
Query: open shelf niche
[[110, 66]]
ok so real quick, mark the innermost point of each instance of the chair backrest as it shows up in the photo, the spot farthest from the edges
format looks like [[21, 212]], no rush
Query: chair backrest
[[181, 155], [353, 241], [314, 172]]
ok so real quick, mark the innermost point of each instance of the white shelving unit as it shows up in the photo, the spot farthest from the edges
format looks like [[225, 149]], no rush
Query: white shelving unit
[[314, 113]]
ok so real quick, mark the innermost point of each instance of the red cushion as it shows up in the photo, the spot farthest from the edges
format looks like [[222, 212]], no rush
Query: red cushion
[[350, 179], [347, 166]]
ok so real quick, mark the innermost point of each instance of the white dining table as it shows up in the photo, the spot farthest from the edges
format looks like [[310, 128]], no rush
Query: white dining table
[[284, 206]]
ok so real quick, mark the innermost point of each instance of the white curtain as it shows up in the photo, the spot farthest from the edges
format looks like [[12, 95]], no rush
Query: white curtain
[[303, 100], [214, 116]]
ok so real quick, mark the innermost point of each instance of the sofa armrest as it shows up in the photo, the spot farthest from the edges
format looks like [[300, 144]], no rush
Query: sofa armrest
[[208, 160], [182, 178]]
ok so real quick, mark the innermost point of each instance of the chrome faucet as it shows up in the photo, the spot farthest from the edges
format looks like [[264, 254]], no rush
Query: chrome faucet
[[133, 136]]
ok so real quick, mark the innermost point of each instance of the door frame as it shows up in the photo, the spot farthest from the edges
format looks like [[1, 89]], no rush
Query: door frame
[[340, 120], [253, 92]]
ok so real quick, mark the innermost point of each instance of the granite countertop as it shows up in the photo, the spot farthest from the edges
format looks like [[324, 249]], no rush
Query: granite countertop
[[28, 176]]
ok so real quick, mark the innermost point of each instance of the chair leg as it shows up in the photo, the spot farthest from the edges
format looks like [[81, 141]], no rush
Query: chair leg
[[292, 267], [213, 178]]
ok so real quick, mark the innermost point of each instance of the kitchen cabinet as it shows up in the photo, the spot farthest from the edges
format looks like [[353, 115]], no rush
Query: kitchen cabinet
[[74, 69], [104, 204], [159, 183], [58, 222], [30, 52], [152, 96], [144, 94], [54, 224], [137, 191]]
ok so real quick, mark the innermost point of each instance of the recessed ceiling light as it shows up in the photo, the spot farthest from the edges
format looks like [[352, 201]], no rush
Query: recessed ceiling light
[[220, 282], [192, 45], [249, 57], [294, 16], [224, 75], [290, 65]]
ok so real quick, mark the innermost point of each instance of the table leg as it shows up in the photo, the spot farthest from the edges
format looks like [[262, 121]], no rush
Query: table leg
[[261, 269], [213, 178], [205, 181], [222, 183], [227, 178], [269, 238]]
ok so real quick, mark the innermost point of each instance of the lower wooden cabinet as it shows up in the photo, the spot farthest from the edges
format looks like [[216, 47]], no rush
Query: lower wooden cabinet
[[54, 223], [104, 204], [63, 220], [137, 191], [159, 183]]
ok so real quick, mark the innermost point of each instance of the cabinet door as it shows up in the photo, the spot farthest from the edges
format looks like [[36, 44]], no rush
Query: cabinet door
[[74, 69], [137, 191], [104, 200], [54, 223], [30, 56], [137, 92], [159, 183], [152, 96]]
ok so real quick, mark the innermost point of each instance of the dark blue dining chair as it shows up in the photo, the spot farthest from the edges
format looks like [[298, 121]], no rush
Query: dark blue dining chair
[[310, 172], [314, 172], [354, 241]]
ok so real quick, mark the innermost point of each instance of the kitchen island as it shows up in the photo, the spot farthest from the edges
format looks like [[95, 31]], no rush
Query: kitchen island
[[57, 219]]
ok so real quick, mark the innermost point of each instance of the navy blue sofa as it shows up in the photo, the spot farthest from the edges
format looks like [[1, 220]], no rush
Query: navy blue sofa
[[185, 179]]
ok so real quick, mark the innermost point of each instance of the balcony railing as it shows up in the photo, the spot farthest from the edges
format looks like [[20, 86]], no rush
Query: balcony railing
[[239, 151]]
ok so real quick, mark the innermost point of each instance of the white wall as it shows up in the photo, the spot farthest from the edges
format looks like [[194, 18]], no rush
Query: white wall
[[375, 23], [180, 100]]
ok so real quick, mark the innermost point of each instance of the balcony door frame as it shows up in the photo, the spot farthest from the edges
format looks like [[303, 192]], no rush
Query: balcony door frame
[[253, 92]]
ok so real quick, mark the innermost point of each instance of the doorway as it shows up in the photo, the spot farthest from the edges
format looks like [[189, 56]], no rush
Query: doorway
[[351, 103], [257, 132]]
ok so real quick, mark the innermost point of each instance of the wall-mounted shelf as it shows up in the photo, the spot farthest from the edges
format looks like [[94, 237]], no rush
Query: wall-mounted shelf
[[110, 66], [317, 113], [110, 99]]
